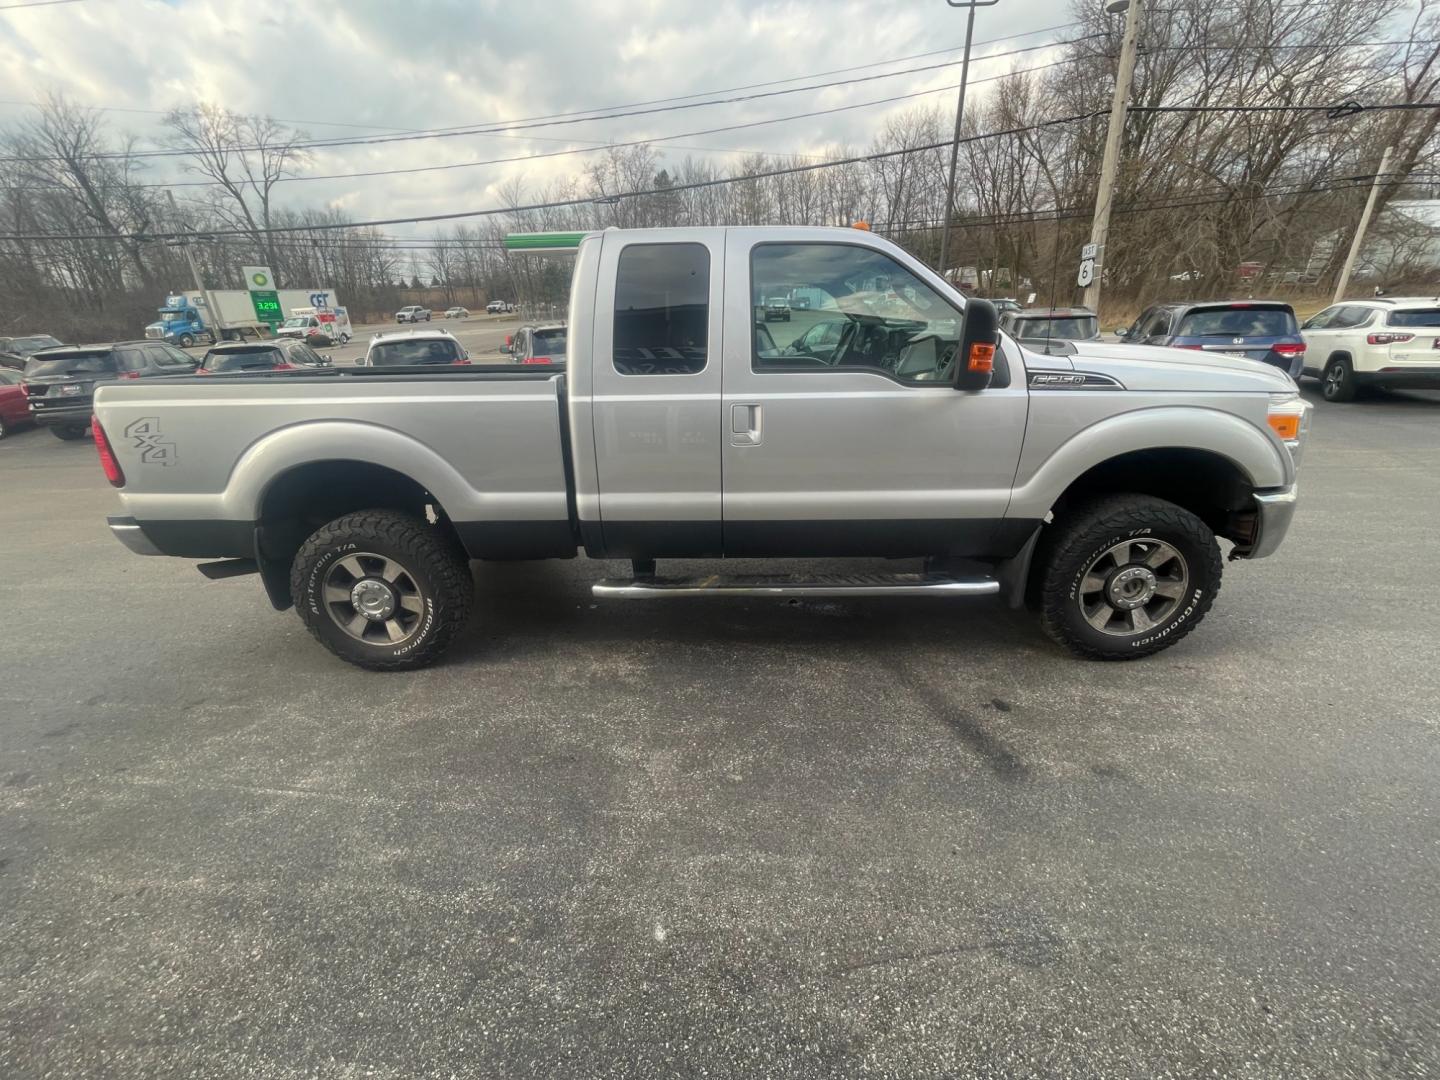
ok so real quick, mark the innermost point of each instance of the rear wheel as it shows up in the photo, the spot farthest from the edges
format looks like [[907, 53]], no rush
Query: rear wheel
[[1126, 576], [1339, 381], [381, 589], [69, 432]]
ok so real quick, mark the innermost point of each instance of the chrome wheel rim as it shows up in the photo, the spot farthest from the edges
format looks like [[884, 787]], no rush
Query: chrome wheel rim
[[1132, 587], [373, 598]]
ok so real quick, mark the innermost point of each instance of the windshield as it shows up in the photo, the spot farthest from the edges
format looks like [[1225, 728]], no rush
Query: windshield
[[549, 342], [1239, 322], [296, 320], [401, 353], [1069, 328], [173, 316], [241, 359], [24, 346], [102, 363], [1425, 317]]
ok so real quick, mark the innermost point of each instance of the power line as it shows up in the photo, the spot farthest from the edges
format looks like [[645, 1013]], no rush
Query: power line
[[587, 200], [441, 133], [37, 3]]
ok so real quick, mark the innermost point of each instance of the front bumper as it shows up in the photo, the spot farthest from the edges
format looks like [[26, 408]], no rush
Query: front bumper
[[129, 533], [1273, 511]]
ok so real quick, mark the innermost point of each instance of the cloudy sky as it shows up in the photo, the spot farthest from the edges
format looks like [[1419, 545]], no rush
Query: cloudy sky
[[370, 68]]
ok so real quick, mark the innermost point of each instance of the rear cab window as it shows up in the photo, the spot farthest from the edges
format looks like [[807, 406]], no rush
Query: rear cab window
[[662, 310], [550, 343], [1239, 322], [422, 351]]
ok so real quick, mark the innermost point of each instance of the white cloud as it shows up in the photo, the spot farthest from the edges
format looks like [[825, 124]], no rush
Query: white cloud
[[445, 63]]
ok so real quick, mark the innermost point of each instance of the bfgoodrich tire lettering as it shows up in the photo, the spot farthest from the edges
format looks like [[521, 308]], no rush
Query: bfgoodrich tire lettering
[[435, 572], [1143, 530]]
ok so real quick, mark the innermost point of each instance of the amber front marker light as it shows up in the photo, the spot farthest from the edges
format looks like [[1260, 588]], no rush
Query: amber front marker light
[[1285, 424], [982, 357]]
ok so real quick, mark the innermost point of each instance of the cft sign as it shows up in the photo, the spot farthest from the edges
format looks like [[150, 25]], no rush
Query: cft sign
[[1086, 276]]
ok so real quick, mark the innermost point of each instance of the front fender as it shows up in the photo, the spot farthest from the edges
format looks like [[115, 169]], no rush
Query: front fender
[[1258, 454]]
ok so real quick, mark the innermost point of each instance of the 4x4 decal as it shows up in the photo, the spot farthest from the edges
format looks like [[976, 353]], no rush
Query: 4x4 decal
[[145, 434]]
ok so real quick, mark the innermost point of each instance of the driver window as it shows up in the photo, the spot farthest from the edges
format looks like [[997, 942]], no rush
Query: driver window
[[862, 310]]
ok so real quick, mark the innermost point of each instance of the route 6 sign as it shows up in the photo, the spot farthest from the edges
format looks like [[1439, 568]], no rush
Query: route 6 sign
[[1087, 265]]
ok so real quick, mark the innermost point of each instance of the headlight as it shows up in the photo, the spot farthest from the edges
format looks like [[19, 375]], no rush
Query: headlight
[[1289, 418]]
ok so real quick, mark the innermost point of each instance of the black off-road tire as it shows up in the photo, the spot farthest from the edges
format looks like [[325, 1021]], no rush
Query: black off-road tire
[[1337, 381], [1085, 534], [69, 432], [434, 562]]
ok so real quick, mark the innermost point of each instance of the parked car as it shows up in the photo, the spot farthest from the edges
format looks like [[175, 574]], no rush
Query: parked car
[[414, 348], [1037, 328], [14, 402], [1004, 304], [61, 382], [412, 314], [15, 351], [777, 309], [800, 303], [1389, 342], [1094, 484], [498, 307], [537, 345], [253, 356], [457, 313], [1264, 330]]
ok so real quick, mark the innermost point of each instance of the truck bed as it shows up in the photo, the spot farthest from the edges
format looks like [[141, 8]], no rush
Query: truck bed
[[201, 455]]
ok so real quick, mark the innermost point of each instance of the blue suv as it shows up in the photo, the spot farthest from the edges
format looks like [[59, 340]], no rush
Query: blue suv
[[1264, 330]]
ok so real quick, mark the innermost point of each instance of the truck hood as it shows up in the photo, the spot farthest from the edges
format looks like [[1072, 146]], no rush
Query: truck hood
[[1156, 367]]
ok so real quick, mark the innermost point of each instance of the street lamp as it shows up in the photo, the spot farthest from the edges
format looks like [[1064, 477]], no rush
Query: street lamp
[[959, 118]]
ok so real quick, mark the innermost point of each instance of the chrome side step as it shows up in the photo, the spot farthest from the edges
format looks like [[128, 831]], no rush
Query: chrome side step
[[825, 585]]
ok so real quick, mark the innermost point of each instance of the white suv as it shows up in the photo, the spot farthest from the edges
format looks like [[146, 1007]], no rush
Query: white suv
[[1390, 342], [412, 314], [414, 348]]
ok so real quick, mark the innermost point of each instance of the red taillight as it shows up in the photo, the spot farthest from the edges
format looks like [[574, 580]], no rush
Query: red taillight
[[107, 458], [1387, 339], [128, 375], [456, 363], [283, 366], [203, 371], [1289, 348], [537, 360]]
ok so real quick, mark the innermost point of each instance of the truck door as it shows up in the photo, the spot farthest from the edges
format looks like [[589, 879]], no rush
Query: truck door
[[858, 448], [655, 379]]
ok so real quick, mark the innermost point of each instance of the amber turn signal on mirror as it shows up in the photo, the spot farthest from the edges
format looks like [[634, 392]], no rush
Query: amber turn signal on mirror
[[982, 357]]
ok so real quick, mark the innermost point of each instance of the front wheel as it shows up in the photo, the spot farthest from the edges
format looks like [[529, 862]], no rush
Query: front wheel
[[69, 432], [381, 589], [1126, 576], [1339, 382], [186, 340]]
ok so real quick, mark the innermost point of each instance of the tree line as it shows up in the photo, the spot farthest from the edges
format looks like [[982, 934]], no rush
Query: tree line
[[1256, 186]]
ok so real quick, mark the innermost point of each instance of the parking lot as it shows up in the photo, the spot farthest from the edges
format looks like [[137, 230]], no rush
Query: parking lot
[[762, 838]]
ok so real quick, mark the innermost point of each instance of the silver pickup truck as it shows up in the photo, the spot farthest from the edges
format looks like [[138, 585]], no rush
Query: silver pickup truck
[[888, 418]]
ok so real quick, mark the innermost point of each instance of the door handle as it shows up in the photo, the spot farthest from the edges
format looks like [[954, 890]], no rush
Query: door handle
[[744, 425]]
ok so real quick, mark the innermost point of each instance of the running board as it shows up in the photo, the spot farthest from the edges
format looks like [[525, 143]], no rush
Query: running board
[[826, 585]]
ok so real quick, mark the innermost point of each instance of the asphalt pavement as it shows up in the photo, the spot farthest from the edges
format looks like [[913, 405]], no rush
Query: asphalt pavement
[[726, 838]]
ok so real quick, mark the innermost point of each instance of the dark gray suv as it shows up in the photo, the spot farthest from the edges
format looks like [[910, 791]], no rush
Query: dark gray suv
[[61, 382]]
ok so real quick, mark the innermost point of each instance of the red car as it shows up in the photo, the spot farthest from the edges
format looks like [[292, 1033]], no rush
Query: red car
[[14, 403]]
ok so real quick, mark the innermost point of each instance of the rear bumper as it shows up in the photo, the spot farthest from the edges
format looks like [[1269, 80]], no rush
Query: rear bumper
[[1273, 511], [1408, 378], [66, 414], [129, 533]]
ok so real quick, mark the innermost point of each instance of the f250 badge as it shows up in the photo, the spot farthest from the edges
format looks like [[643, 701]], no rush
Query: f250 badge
[[145, 434]]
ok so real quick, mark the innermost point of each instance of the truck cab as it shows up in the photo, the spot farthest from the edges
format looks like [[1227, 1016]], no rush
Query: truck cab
[[180, 323]]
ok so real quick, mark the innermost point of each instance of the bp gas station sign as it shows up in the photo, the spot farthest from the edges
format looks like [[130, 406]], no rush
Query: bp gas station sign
[[264, 297]]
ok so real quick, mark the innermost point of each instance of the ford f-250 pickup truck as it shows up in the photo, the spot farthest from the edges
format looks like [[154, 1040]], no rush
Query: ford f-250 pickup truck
[[1091, 483]]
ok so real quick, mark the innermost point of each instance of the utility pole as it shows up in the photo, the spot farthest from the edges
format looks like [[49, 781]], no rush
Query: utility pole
[[959, 119], [212, 316], [1110, 165], [1359, 240]]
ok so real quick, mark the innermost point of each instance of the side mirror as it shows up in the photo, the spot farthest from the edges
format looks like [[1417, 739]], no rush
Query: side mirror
[[979, 338], [1122, 331]]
